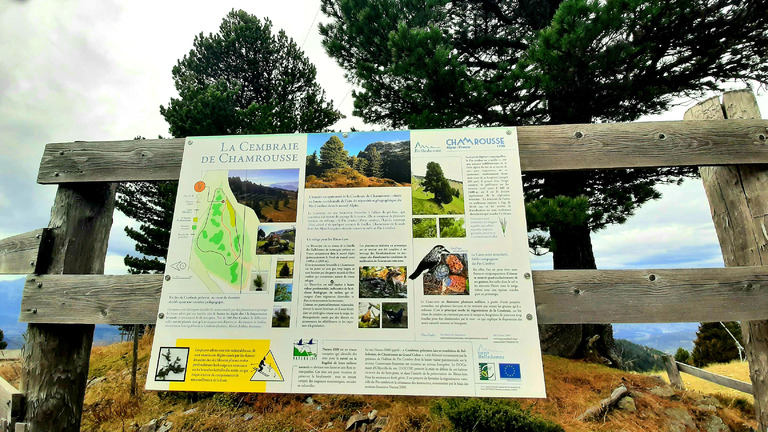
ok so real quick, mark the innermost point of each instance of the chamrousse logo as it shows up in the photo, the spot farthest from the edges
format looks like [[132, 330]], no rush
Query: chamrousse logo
[[466, 142], [305, 350]]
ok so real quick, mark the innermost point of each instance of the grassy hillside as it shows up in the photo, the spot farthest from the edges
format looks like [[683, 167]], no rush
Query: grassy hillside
[[424, 204], [572, 387]]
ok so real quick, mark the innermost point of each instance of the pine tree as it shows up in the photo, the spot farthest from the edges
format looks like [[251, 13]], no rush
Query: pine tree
[[492, 63], [682, 355], [313, 165], [220, 93], [435, 182], [333, 154], [285, 271], [713, 344], [375, 163], [3, 343]]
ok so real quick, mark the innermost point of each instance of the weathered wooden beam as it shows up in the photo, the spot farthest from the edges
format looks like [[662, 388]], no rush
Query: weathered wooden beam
[[91, 299], [738, 198], [542, 148], [11, 403], [10, 355], [562, 296], [673, 373], [56, 357], [715, 378], [18, 254]]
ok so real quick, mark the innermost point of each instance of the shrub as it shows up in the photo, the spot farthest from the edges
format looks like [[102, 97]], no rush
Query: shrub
[[479, 415], [682, 355]]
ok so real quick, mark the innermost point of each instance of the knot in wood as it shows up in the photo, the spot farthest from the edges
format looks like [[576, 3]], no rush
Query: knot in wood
[[578, 134], [576, 291], [652, 277]]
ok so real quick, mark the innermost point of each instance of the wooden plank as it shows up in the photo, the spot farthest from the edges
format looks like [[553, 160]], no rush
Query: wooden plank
[[11, 402], [673, 373], [562, 296], [661, 295], [715, 378], [738, 198], [109, 161], [10, 355], [91, 299], [18, 254], [56, 357], [542, 148]]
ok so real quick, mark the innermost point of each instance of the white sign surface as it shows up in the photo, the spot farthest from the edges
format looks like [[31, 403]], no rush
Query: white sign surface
[[370, 263]]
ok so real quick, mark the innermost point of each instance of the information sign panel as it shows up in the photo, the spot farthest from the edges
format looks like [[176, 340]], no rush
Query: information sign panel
[[388, 262]]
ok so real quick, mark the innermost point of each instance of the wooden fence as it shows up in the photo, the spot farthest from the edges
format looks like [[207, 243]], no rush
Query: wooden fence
[[675, 367], [66, 293]]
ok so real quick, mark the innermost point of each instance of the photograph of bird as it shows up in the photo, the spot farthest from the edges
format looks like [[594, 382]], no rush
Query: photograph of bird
[[395, 317], [429, 261]]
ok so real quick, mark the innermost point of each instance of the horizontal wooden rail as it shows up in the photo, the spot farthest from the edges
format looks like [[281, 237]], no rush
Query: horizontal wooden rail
[[10, 355], [11, 403], [562, 296], [715, 378], [18, 254], [542, 148]]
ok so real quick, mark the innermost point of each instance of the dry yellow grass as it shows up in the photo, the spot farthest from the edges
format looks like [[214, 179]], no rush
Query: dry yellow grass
[[735, 369], [572, 387]]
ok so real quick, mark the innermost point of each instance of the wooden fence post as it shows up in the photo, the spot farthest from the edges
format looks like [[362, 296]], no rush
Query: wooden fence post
[[56, 356], [738, 198], [673, 372]]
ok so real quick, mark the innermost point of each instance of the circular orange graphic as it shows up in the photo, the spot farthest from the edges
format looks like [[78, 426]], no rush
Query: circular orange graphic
[[199, 186]]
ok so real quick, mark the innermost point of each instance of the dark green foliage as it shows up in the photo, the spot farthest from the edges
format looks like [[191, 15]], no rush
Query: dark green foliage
[[445, 63], [424, 228], [452, 227], [333, 154], [282, 294], [436, 183], [285, 271], [490, 415], [313, 165], [639, 358], [152, 204], [713, 344], [221, 93], [491, 63], [261, 235], [281, 318], [3, 343], [246, 80], [375, 164], [682, 355]]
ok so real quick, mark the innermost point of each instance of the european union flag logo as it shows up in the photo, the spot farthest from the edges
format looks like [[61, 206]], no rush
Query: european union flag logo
[[509, 371]]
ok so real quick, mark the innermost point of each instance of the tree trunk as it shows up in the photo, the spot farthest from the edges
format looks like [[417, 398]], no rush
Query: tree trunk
[[572, 249]]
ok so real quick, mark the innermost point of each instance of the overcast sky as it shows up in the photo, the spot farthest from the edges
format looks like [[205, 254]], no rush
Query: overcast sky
[[99, 70]]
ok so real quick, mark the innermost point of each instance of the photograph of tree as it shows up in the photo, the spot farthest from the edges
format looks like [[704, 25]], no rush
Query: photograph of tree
[[380, 159], [271, 193], [424, 228], [283, 291], [276, 239], [281, 317], [452, 227], [284, 269], [438, 187]]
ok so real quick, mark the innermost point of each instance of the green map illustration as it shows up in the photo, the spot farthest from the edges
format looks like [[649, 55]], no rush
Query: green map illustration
[[223, 248]]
